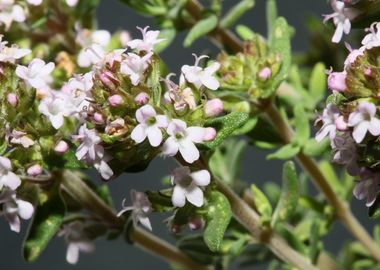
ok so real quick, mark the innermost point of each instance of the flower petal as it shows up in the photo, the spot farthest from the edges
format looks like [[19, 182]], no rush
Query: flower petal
[[201, 178], [178, 197], [195, 196]]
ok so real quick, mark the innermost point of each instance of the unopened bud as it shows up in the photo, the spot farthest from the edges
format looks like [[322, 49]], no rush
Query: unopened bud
[[98, 117], [337, 81], [210, 134], [108, 79], [12, 99], [214, 107], [115, 100], [142, 98], [34, 170], [265, 73], [61, 147], [196, 223]]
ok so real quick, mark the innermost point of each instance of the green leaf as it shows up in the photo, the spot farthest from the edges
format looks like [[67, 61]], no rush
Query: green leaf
[[262, 203], [280, 45], [3, 145], [225, 162], [244, 32], [374, 210], [286, 152], [302, 128], [218, 217], [154, 81], [313, 148], [317, 84], [200, 29], [271, 18], [46, 222], [315, 246], [225, 126], [288, 202], [328, 171], [234, 14], [376, 233], [291, 238], [195, 247]]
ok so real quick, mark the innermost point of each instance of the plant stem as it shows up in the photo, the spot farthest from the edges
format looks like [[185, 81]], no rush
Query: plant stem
[[230, 41], [342, 210], [250, 220], [79, 190]]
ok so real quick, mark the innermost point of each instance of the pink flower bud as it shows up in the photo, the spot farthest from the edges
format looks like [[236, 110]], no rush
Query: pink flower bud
[[142, 98], [214, 107], [196, 223], [337, 81], [34, 170], [108, 79], [340, 124], [351, 58], [124, 38], [98, 117], [265, 73], [368, 72], [61, 147], [12, 99], [210, 134], [115, 100]]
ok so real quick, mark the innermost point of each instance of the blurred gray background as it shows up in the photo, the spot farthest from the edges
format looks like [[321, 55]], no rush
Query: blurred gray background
[[119, 255]]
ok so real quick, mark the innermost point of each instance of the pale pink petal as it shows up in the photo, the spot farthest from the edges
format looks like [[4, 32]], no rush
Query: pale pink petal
[[360, 131], [154, 136], [144, 113], [201, 178], [162, 121], [72, 254], [178, 197], [145, 222], [195, 195], [374, 127], [11, 180], [139, 133], [188, 150], [196, 134], [170, 147], [25, 209]]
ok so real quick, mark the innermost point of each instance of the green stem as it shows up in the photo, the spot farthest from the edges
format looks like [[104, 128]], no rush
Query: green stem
[[79, 190]]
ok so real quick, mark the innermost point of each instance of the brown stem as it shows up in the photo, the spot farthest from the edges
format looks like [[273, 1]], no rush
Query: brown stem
[[78, 189]]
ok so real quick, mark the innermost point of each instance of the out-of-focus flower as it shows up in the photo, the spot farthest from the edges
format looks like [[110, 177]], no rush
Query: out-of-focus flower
[[7, 177], [367, 187], [61, 147], [9, 12], [34, 170], [13, 209], [345, 152], [214, 107], [187, 186], [12, 99], [150, 38], [337, 81], [340, 19], [54, 108], [372, 39], [18, 137], [330, 115], [36, 74], [11, 54], [135, 66], [142, 98], [141, 208], [76, 240]]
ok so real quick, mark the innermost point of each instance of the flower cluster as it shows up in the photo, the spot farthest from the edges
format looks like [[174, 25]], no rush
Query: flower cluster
[[351, 120]]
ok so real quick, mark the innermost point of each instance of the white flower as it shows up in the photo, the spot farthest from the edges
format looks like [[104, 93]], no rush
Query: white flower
[[100, 164], [36, 74], [368, 186], [141, 208], [147, 43], [182, 139], [11, 54], [372, 39], [76, 240], [187, 186], [7, 177], [330, 115], [10, 12], [14, 208], [199, 76], [149, 126], [340, 19], [134, 66], [92, 55], [54, 108], [363, 120], [34, 2], [72, 3]]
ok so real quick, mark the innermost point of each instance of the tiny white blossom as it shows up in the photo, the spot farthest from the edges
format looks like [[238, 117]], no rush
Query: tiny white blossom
[[11, 54], [13, 209], [9, 12], [19, 137], [36, 74], [372, 39], [187, 186], [34, 2], [54, 108], [149, 126], [76, 240], [364, 119], [340, 19], [182, 139], [134, 66], [150, 38], [72, 3], [7, 177], [199, 76], [141, 208]]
